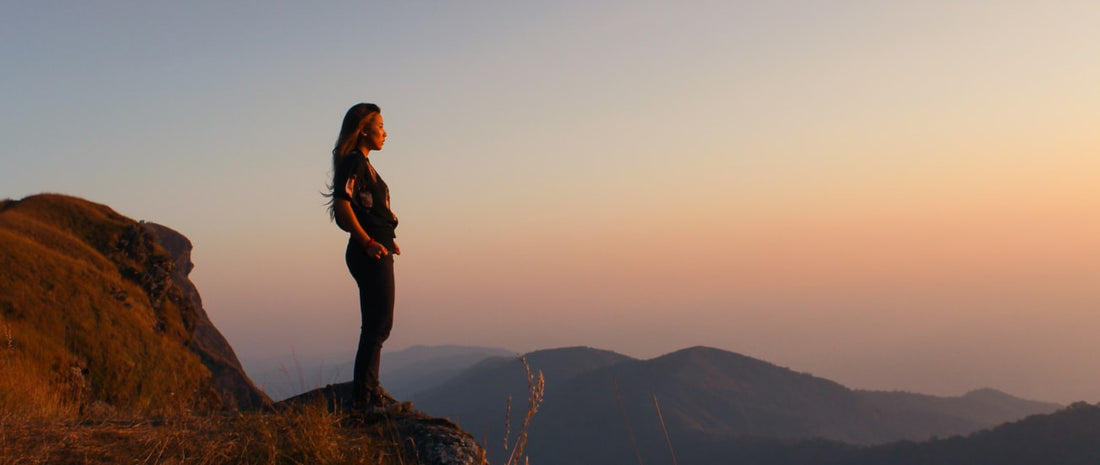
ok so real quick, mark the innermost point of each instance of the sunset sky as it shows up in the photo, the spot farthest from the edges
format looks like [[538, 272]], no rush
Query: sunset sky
[[892, 195]]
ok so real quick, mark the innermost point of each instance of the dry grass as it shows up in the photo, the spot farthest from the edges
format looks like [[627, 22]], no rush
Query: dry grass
[[536, 388], [304, 435], [77, 326], [27, 392]]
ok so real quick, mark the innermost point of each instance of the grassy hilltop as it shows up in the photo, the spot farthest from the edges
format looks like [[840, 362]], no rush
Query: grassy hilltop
[[89, 315]]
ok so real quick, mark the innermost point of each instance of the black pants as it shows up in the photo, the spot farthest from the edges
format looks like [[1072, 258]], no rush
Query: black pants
[[376, 296]]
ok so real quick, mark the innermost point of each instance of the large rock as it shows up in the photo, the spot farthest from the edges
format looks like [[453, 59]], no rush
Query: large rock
[[434, 441]]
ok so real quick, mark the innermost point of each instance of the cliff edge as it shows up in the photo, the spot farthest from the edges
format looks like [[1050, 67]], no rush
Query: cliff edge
[[227, 374]]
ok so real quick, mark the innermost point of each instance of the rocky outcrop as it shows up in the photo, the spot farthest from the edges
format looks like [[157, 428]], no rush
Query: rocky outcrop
[[101, 308], [437, 441], [94, 317], [433, 441], [228, 376]]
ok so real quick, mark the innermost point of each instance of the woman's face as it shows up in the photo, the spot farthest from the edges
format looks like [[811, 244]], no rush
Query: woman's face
[[374, 134]]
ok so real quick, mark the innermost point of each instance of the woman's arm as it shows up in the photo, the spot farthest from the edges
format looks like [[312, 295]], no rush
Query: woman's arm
[[345, 218]]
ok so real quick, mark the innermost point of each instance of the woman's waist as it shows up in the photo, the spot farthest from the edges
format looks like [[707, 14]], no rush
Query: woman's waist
[[384, 239]]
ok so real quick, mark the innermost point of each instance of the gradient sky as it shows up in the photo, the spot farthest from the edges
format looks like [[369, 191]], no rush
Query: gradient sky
[[892, 195]]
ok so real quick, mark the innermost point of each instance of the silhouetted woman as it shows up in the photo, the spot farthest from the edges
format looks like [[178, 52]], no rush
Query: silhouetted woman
[[361, 206]]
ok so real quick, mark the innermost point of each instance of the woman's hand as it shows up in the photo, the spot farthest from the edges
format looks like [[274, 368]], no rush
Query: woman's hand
[[376, 250], [396, 249]]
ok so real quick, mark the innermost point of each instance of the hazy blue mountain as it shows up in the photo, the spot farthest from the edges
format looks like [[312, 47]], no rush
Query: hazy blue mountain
[[1067, 437], [420, 368], [917, 413], [602, 407], [478, 398], [1070, 436], [285, 376], [403, 372]]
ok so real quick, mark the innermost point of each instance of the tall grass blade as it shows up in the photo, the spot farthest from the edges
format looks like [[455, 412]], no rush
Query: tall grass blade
[[665, 428]]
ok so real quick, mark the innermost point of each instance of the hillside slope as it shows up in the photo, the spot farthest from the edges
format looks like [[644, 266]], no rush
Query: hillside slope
[[1070, 436], [915, 414], [227, 374], [92, 313]]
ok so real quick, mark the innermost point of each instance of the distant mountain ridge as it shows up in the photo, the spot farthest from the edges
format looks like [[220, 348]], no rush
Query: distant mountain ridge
[[1070, 436], [418, 368], [403, 372], [601, 406], [956, 415]]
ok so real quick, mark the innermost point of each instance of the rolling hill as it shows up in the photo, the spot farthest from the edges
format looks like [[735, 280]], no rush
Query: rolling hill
[[602, 407]]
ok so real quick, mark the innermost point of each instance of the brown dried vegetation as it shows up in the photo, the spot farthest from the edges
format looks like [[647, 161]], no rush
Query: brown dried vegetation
[[88, 315], [304, 435]]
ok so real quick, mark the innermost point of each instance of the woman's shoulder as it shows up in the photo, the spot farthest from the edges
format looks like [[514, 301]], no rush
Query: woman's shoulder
[[352, 162]]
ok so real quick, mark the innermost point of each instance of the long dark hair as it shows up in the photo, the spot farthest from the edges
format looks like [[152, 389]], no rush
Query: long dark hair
[[354, 120]]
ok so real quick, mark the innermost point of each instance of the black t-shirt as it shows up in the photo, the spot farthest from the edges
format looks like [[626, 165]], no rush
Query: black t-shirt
[[357, 182]]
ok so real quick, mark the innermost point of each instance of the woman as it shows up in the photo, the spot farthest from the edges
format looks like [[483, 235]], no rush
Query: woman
[[361, 206]]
